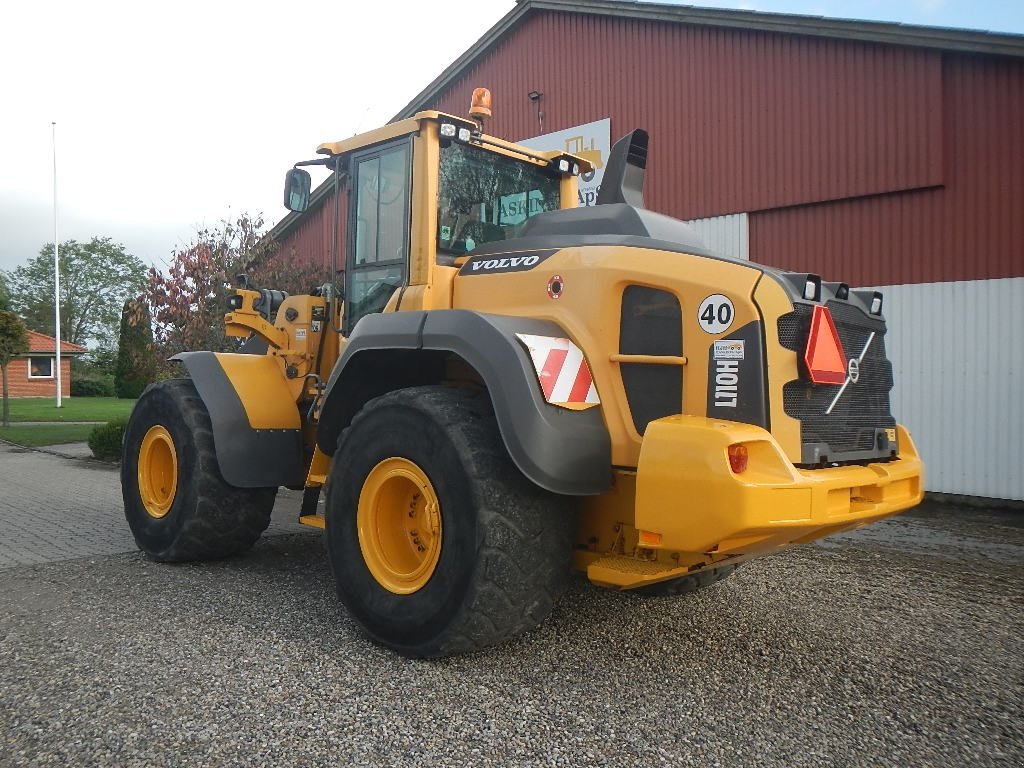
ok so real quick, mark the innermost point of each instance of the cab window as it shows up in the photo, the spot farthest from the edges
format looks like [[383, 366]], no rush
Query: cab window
[[485, 196], [379, 249]]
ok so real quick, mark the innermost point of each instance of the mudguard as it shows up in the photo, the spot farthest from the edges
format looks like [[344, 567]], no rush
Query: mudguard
[[563, 451], [256, 424]]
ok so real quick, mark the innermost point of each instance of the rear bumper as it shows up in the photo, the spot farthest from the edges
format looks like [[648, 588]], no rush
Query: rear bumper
[[689, 500]]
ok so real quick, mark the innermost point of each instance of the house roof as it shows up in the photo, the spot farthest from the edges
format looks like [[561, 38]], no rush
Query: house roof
[[941, 38], [40, 342]]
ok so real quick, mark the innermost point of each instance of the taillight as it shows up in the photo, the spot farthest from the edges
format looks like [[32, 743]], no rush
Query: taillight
[[738, 458], [649, 538]]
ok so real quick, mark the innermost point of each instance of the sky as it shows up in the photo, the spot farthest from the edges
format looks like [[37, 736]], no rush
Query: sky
[[172, 117]]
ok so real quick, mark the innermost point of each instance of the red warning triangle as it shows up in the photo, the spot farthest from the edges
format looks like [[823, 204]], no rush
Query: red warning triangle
[[824, 356]]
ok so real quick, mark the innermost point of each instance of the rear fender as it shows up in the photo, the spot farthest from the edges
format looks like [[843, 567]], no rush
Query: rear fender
[[563, 451], [256, 425]]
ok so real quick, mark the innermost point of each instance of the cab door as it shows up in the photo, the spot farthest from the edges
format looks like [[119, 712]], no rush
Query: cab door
[[378, 247]]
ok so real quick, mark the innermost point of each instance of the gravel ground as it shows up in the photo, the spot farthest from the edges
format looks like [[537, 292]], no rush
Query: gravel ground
[[897, 645]]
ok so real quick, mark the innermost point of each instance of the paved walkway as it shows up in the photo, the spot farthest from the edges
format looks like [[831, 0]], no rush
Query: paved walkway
[[56, 507]]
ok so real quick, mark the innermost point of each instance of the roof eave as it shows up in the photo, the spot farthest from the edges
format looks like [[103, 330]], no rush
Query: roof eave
[[941, 38], [945, 38]]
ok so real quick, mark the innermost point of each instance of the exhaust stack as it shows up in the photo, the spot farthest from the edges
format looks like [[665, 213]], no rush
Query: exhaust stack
[[624, 176]]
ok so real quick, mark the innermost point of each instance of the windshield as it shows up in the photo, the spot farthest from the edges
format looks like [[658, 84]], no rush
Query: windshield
[[485, 196]]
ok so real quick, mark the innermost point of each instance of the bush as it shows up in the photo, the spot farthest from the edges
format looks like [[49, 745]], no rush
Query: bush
[[105, 440], [92, 386]]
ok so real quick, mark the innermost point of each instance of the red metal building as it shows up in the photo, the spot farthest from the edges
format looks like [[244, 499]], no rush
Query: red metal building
[[878, 154]]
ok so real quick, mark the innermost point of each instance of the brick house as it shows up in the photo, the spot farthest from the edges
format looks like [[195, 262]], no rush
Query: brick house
[[32, 374]]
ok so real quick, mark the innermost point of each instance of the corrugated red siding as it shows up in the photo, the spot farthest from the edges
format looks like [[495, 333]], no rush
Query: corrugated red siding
[[869, 163], [969, 229], [311, 238], [740, 120]]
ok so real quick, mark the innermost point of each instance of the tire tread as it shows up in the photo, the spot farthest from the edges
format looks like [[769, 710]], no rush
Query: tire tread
[[225, 520], [523, 553]]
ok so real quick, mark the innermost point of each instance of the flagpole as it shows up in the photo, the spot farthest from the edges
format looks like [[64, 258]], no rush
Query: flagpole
[[56, 265]]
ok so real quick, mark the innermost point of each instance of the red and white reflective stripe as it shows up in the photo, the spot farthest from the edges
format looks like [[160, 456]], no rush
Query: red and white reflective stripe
[[562, 370]]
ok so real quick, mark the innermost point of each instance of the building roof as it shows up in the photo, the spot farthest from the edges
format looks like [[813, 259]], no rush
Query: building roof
[[941, 38], [40, 342]]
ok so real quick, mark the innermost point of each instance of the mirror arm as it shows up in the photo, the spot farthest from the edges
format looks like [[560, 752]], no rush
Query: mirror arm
[[318, 161]]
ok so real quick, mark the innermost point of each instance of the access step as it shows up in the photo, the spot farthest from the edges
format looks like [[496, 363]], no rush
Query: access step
[[624, 572]]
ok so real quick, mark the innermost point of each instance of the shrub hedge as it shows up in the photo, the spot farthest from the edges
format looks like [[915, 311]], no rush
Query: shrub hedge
[[105, 440], [92, 386]]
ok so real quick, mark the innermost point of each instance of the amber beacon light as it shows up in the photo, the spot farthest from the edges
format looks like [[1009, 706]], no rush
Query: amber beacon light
[[480, 106]]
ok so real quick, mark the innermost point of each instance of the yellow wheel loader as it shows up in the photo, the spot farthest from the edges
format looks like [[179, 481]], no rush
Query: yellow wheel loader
[[495, 387]]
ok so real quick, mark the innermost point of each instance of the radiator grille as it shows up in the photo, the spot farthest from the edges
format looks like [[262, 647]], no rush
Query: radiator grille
[[864, 406]]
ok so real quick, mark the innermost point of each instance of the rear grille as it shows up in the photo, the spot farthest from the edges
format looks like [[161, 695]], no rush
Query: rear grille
[[863, 407], [651, 324]]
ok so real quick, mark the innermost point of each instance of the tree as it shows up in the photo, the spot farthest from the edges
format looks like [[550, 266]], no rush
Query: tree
[[5, 294], [13, 342], [135, 358], [98, 361], [188, 302], [95, 280]]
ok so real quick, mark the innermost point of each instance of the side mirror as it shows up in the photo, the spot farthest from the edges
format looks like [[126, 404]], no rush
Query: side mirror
[[296, 190]]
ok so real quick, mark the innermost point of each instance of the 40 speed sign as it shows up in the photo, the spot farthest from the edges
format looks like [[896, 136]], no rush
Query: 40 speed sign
[[716, 313]]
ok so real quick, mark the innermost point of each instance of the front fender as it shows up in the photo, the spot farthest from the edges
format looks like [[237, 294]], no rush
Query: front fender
[[256, 424]]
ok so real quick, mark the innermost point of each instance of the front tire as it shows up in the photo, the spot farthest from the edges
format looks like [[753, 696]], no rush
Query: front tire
[[176, 502], [438, 544]]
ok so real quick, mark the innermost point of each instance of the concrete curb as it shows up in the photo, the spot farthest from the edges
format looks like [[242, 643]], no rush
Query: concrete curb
[[55, 450]]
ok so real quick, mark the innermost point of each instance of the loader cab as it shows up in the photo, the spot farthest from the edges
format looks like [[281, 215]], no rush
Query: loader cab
[[416, 196]]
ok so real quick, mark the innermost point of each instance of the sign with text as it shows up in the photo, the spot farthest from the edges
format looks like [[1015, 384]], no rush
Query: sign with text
[[591, 141]]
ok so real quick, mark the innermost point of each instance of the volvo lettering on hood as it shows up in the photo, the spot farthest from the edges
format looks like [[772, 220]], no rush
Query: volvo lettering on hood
[[493, 264]]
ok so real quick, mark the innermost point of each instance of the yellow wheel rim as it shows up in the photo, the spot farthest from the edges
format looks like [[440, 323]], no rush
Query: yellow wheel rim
[[158, 471], [399, 524]]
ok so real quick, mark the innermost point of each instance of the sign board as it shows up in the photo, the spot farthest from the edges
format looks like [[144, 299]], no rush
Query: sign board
[[516, 208], [591, 141]]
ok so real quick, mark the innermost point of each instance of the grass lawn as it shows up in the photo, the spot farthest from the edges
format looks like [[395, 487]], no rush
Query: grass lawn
[[47, 434], [72, 409]]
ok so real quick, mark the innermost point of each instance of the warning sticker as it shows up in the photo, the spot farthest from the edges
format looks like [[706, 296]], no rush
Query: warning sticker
[[729, 349], [300, 334]]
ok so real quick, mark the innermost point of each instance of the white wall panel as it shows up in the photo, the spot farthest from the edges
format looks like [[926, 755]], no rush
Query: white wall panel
[[957, 351], [727, 235]]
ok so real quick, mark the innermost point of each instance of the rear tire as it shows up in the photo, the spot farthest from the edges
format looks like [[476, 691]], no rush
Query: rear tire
[[438, 544], [686, 584], [176, 502]]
